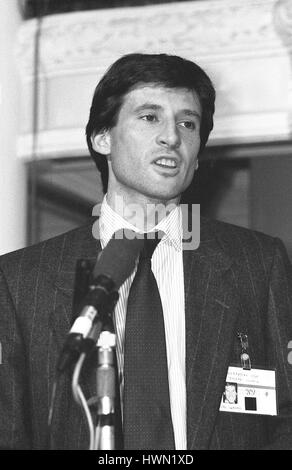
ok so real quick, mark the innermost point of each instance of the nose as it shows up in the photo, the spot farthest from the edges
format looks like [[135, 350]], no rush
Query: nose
[[169, 135]]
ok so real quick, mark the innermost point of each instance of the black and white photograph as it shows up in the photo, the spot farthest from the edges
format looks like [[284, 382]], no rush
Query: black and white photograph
[[146, 227]]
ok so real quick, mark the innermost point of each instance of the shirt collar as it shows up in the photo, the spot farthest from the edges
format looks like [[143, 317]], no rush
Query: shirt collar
[[110, 221]]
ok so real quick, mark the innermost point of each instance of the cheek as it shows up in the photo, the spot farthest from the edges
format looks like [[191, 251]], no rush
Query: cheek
[[126, 158], [124, 141], [189, 175], [130, 148], [192, 162], [191, 152]]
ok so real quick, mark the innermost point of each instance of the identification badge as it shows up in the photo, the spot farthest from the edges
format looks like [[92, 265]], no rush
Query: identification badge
[[250, 391]]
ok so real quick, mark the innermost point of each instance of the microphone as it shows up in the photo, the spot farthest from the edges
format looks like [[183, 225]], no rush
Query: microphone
[[114, 265]]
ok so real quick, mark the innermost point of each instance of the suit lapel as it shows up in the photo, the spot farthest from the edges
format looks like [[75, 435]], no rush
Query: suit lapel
[[80, 247], [211, 305]]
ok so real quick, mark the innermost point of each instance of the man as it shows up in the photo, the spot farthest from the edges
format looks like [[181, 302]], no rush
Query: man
[[150, 118], [230, 394]]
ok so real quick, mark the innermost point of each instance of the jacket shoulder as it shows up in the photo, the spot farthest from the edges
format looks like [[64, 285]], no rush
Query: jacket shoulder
[[240, 242], [49, 250]]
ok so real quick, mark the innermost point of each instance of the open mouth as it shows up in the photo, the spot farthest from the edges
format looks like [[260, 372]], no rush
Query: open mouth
[[167, 163]]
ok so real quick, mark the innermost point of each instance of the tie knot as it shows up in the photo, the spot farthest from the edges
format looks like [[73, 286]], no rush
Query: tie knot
[[151, 240]]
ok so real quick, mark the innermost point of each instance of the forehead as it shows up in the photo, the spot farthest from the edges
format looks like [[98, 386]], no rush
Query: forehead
[[177, 99]]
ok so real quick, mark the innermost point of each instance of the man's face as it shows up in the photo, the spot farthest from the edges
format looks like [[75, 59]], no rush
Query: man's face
[[230, 393], [154, 145]]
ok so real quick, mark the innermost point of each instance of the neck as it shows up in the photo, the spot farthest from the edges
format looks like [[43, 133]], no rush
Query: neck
[[143, 213]]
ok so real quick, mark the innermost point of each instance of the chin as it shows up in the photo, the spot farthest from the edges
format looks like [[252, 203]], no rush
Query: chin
[[164, 197]]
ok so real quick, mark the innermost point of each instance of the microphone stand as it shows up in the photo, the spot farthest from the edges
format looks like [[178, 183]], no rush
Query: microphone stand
[[105, 385], [106, 382], [102, 339], [100, 301]]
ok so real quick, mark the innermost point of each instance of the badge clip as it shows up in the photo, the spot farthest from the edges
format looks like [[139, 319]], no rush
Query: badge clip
[[244, 356]]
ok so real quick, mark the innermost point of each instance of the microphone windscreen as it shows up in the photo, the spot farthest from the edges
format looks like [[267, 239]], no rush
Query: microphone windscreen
[[117, 259]]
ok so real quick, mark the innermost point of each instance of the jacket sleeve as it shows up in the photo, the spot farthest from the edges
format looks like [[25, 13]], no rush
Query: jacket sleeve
[[279, 336], [15, 429]]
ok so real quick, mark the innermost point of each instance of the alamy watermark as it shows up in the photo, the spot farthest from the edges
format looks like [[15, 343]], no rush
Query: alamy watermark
[[151, 215]]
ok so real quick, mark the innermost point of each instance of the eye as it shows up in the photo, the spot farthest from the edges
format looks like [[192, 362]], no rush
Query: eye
[[149, 117], [188, 125]]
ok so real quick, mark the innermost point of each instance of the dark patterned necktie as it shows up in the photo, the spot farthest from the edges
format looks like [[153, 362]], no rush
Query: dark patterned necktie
[[147, 415]]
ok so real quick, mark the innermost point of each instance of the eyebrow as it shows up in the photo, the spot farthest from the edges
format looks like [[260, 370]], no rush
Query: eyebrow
[[157, 107]]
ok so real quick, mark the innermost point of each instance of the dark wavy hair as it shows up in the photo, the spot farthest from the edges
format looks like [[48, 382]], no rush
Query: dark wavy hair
[[136, 69]]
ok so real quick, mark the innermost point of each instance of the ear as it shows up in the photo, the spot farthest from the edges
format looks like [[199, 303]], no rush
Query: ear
[[101, 142]]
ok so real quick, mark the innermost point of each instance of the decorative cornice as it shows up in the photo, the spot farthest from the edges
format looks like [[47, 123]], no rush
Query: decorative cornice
[[240, 129], [207, 30], [234, 40], [283, 21]]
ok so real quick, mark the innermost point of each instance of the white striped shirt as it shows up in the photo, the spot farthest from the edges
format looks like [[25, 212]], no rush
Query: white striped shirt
[[167, 266]]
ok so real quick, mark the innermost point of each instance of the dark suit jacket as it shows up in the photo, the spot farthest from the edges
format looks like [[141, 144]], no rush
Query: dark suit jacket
[[236, 281]]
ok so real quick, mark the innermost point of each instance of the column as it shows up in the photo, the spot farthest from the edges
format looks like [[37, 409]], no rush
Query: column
[[283, 26], [12, 174]]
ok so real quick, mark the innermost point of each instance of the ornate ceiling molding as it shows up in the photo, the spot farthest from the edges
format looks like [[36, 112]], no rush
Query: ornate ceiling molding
[[283, 21], [228, 130], [241, 44], [205, 30]]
